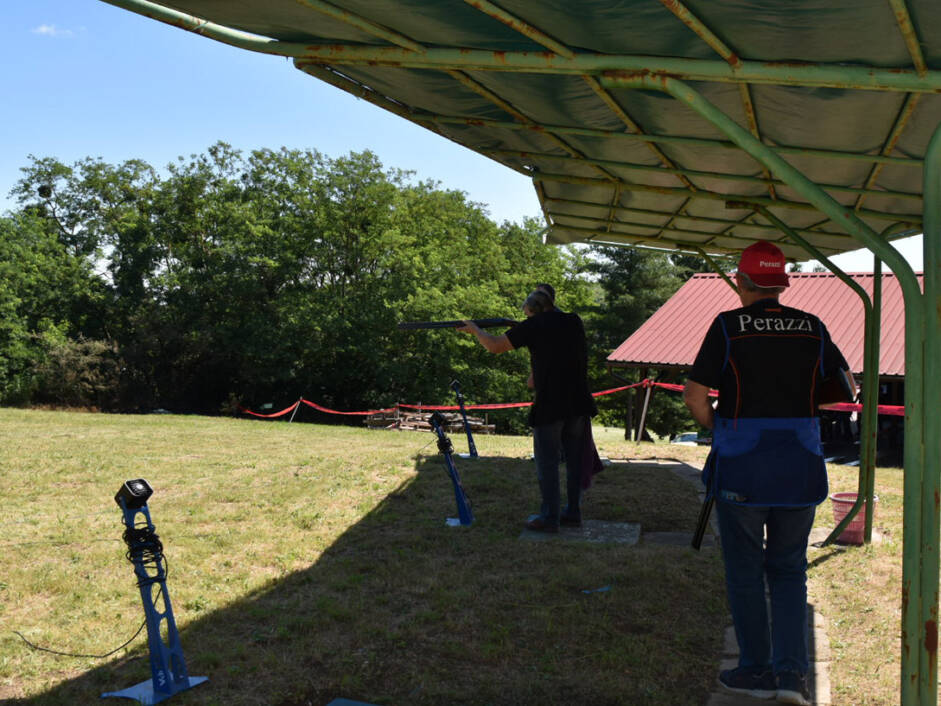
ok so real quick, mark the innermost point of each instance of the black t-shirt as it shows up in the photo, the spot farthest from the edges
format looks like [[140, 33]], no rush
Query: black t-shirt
[[559, 355], [766, 360]]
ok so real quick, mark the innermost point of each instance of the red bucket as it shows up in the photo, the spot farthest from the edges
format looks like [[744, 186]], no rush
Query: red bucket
[[853, 532]]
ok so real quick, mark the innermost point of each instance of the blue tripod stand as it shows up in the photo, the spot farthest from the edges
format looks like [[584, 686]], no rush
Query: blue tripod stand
[[472, 448], [144, 550], [465, 514]]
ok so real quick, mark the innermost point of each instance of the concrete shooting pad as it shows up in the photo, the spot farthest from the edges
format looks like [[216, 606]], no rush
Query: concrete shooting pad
[[595, 531]]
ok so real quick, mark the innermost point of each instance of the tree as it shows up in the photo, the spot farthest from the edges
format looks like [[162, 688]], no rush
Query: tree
[[247, 278], [47, 294], [634, 284]]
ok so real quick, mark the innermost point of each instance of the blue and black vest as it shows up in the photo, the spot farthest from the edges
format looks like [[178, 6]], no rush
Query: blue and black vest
[[766, 440]]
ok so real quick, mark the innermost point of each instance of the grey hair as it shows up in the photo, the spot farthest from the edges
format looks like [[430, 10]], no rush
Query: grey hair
[[538, 302], [749, 285]]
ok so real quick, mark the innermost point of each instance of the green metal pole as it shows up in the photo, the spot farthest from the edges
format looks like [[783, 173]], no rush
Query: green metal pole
[[870, 420], [870, 375], [913, 597], [931, 488], [619, 71], [718, 270]]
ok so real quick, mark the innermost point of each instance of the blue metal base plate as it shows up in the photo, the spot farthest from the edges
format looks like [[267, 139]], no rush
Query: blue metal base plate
[[347, 702], [144, 692]]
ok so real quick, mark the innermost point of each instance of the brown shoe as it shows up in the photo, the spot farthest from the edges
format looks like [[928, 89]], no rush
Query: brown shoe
[[537, 524]]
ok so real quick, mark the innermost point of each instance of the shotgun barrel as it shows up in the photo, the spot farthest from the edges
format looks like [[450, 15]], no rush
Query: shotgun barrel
[[703, 521], [455, 323]]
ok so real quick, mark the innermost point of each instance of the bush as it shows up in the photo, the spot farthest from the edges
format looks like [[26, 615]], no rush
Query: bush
[[79, 373]]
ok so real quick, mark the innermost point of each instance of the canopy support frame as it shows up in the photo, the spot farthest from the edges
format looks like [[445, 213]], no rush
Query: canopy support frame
[[919, 675]]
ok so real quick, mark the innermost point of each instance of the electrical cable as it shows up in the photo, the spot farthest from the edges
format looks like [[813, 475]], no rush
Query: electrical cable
[[144, 548], [72, 654]]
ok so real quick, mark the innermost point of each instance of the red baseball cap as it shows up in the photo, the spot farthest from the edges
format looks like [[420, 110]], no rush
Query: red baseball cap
[[764, 264]]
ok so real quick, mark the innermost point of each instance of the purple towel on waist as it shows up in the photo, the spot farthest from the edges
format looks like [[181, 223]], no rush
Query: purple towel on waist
[[591, 462]]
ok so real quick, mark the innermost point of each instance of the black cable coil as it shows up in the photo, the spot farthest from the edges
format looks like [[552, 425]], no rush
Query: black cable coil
[[144, 548]]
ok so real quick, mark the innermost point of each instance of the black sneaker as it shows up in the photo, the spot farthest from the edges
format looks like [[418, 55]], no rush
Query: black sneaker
[[570, 521], [792, 689], [757, 682]]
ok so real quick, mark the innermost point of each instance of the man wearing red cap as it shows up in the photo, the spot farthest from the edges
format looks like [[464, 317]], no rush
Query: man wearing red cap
[[766, 470]]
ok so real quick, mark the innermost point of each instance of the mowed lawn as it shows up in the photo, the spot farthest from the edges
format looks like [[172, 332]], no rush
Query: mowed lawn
[[309, 562]]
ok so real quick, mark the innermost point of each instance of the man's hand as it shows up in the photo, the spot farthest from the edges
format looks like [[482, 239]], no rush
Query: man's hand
[[494, 344]]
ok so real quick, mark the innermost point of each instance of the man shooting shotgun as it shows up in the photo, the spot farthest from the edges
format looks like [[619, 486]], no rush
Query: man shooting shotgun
[[563, 407]]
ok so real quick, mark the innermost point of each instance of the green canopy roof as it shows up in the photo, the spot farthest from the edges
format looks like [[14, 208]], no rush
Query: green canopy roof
[[844, 92]]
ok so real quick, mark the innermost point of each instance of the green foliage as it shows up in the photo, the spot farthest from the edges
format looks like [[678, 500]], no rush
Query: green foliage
[[238, 278], [633, 284], [253, 278], [79, 373], [46, 295]]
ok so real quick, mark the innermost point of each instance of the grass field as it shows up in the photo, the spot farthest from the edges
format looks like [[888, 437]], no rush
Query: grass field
[[310, 562]]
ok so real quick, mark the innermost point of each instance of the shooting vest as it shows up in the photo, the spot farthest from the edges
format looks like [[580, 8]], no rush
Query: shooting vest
[[762, 460]]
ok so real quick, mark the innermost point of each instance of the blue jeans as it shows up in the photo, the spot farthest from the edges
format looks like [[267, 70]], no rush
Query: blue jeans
[[781, 645], [548, 441]]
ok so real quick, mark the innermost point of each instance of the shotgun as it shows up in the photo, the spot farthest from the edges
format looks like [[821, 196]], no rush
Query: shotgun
[[703, 521], [456, 323]]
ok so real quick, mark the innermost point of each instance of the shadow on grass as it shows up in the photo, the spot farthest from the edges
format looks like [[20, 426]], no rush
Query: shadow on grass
[[401, 609], [832, 551]]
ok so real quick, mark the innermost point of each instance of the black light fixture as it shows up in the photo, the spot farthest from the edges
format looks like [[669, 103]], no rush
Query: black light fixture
[[133, 494]]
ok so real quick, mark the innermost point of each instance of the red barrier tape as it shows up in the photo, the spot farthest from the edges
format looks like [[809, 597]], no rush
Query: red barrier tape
[[269, 416], [888, 410], [445, 408], [453, 407], [616, 389], [333, 411], [840, 407]]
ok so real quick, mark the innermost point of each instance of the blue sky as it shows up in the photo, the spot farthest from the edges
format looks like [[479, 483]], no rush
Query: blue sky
[[85, 79]]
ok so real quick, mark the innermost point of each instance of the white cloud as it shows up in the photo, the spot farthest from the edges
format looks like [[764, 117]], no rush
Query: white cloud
[[52, 31]]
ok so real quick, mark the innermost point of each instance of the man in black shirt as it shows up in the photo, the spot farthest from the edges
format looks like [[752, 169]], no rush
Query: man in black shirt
[[563, 406], [766, 470]]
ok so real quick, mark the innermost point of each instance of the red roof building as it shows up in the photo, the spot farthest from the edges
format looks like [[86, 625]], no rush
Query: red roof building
[[672, 336]]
